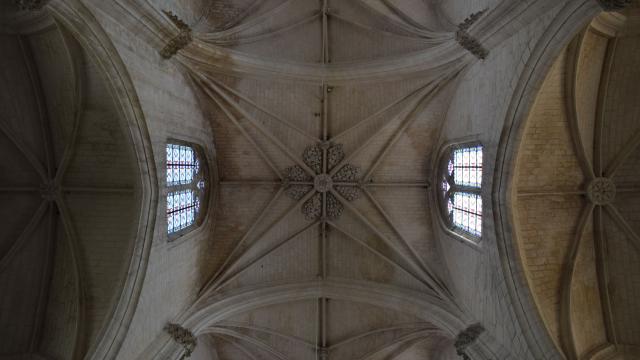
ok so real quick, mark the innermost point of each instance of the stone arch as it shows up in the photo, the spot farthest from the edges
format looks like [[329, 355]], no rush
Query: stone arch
[[449, 319], [568, 22], [89, 33]]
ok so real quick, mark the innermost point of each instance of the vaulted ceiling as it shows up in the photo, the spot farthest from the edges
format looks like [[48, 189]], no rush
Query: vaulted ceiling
[[327, 118], [68, 192], [325, 181], [578, 189]]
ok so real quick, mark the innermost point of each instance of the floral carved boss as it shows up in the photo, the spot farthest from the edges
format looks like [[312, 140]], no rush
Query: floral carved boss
[[322, 159]]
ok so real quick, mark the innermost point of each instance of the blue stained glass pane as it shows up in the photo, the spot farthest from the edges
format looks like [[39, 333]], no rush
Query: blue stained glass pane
[[169, 202], [170, 223], [169, 153]]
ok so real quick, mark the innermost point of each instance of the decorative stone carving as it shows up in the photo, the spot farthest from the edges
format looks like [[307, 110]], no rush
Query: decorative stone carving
[[334, 207], [176, 20], [347, 173], [335, 154], [312, 208], [297, 192], [471, 44], [312, 156], [470, 20], [349, 192], [467, 337], [613, 5], [182, 336], [298, 183], [322, 183], [297, 174], [31, 4], [179, 41], [467, 41], [601, 191]]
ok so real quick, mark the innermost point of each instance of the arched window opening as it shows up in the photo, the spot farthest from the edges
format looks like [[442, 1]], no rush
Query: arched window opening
[[186, 188], [461, 185]]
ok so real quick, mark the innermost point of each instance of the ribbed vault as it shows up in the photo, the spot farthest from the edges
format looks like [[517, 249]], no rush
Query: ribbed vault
[[69, 192], [576, 181], [325, 167], [327, 118]]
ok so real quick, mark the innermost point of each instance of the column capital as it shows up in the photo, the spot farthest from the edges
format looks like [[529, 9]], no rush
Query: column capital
[[183, 337], [467, 337], [178, 42]]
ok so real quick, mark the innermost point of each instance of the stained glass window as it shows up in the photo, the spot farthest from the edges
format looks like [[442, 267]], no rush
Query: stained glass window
[[186, 185], [467, 212], [182, 208], [461, 189], [467, 166], [182, 164]]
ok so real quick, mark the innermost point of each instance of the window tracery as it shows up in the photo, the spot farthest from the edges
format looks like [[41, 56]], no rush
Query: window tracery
[[460, 189], [186, 188]]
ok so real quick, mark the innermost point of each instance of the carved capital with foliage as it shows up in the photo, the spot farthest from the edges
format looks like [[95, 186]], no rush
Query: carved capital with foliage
[[467, 337], [182, 336], [471, 44], [179, 41]]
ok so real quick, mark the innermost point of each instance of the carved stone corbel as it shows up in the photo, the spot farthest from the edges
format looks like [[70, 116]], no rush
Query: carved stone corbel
[[179, 41], [182, 336], [470, 20], [467, 41], [31, 4], [467, 337], [471, 44], [613, 5]]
